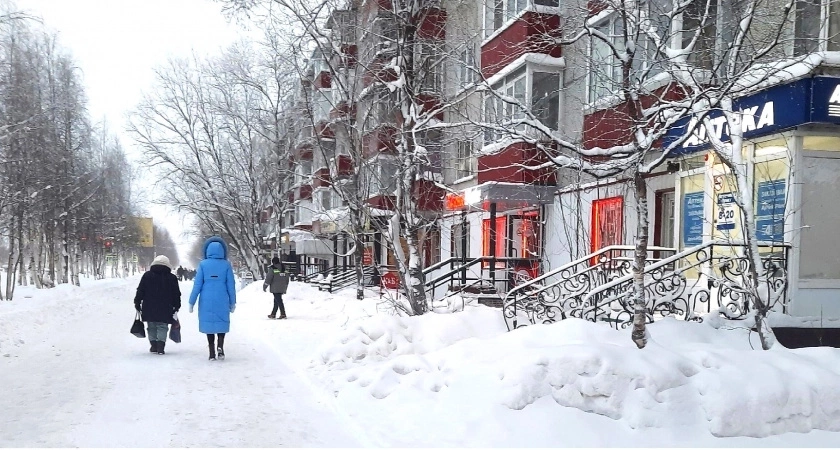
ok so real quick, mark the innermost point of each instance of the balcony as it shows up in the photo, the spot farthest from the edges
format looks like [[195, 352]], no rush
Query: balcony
[[302, 152], [303, 192], [428, 195], [379, 72], [531, 33], [342, 109], [324, 131], [323, 80], [504, 166], [347, 57], [431, 23], [382, 139], [430, 102], [321, 178], [342, 166]]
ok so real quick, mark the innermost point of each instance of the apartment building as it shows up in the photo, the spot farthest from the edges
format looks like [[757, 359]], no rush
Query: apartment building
[[791, 147], [508, 216]]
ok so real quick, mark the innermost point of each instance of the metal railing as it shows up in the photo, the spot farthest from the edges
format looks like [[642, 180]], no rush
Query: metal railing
[[543, 298], [713, 275]]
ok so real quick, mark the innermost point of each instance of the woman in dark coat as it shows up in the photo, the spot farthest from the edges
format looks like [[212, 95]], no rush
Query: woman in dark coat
[[158, 299]]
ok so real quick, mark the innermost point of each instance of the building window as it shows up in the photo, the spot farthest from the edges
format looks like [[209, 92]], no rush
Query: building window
[[431, 247], [460, 240], [501, 11], [429, 66], [526, 242], [464, 159], [467, 69], [545, 98], [303, 171], [326, 200], [501, 113], [538, 92], [695, 15], [500, 244]]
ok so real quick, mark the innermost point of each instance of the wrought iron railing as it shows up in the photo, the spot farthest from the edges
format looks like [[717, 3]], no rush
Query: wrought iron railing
[[546, 298], [715, 274]]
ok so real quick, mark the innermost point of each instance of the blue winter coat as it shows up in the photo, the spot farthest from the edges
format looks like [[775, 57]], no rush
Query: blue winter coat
[[214, 288]]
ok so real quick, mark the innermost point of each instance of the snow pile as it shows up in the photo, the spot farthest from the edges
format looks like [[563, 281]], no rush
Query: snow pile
[[33, 313], [691, 375]]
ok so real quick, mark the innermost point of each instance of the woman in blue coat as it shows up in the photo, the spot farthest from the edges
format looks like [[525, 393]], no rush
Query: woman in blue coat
[[215, 292]]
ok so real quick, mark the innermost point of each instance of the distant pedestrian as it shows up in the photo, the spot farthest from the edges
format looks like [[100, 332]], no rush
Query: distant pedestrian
[[180, 273], [214, 290], [278, 280], [158, 298]]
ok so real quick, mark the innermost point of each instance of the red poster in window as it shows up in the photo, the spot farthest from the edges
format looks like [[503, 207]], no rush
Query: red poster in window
[[367, 256], [607, 222]]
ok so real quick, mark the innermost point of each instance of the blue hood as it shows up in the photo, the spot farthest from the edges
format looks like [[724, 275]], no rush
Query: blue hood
[[215, 248]]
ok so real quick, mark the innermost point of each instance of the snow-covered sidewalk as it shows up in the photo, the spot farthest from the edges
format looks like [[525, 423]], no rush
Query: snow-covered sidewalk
[[72, 376], [338, 372]]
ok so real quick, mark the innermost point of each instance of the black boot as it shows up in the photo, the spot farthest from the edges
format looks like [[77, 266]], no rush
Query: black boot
[[221, 353], [212, 354], [160, 346], [153, 348]]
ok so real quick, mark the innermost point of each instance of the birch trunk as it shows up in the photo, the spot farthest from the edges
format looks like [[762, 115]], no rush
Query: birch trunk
[[639, 334]]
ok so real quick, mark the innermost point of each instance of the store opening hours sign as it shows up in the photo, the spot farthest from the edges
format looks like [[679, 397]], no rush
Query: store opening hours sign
[[727, 211]]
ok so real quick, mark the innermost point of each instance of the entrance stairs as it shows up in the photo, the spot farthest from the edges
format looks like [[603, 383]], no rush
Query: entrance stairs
[[711, 276]]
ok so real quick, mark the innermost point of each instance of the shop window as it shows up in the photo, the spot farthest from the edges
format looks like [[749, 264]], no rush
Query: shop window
[[607, 222], [501, 225], [526, 240]]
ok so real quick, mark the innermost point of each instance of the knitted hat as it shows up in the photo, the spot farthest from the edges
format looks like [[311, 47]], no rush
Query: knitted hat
[[161, 260], [275, 260]]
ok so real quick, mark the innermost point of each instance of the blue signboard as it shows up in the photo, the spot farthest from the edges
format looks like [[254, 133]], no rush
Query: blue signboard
[[770, 211], [774, 109], [692, 219]]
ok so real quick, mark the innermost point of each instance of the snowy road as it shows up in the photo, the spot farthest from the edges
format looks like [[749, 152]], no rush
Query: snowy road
[[72, 375]]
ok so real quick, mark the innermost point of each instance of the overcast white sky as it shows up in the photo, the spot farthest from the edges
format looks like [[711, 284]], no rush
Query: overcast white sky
[[118, 43]]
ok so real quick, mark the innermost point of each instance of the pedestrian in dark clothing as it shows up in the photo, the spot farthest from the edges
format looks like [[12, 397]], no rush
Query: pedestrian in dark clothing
[[215, 291], [180, 273], [158, 298], [278, 280]]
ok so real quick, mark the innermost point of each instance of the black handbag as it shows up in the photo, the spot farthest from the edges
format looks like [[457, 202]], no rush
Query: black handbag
[[175, 330], [137, 328]]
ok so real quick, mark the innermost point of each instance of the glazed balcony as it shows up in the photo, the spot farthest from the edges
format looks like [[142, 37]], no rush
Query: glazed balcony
[[382, 139], [532, 32], [505, 166]]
